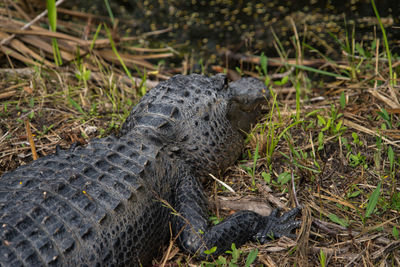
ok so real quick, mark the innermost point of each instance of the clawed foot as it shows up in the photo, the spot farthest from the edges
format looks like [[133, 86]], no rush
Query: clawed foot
[[276, 227]]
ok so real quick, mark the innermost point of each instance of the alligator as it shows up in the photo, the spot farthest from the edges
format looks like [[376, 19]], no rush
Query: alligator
[[114, 201]]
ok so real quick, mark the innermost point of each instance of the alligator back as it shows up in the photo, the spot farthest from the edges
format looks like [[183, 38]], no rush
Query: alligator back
[[89, 205]]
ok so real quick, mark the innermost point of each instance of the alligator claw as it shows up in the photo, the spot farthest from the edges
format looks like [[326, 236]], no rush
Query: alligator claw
[[276, 227]]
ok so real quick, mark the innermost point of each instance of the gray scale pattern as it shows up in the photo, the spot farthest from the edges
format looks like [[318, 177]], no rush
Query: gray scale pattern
[[110, 203]]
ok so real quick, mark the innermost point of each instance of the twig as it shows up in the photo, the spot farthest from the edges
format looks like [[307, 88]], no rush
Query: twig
[[20, 71], [224, 184], [281, 75], [30, 139], [26, 26], [171, 243], [293, 184], [297, 43], [361, 254], [7, 94], [275, 62], [323, 226], [376, 61], [368, 131]]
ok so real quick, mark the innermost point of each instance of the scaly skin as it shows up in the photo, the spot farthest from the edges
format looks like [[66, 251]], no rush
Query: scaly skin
[[110, 203]]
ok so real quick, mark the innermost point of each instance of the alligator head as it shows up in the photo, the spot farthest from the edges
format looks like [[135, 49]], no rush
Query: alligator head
[[201, 119], [244, 99]]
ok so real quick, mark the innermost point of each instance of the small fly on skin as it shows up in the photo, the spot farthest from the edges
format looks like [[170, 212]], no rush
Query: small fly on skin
[[86, 194]]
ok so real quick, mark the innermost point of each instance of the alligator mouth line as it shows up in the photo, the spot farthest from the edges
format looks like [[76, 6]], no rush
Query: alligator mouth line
[[254, 106]]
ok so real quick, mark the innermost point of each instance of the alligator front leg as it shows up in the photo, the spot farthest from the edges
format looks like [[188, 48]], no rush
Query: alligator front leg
[[195, 236]]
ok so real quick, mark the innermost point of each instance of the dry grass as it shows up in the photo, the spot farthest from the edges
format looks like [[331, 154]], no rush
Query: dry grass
[[42, 106]]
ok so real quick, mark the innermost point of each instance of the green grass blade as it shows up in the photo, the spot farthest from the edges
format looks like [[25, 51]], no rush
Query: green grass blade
[[114, 49], [388, 53], [322, 258], [391, 157], [109, 11], [297, 87], [56, 52], [76, 105], [341, 44], [52, 14], [373, 200], [264, 64], [306, 68], [96, 35], [334, 218]]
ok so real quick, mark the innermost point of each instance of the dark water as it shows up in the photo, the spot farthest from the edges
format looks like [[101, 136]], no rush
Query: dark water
[[246, 26]]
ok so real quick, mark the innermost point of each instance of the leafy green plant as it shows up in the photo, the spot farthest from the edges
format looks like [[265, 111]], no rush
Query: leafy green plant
[[300, 154], [238, 70], [234, 261], [75, 105], [385, 116], [210, 251], [222, 261], [31, 115], [354, 191], [215, 220], [251, 257], [283, 81], [93, 110], [356, 140], [297, 160], [270, 130], [235, 255], [284, 178], [334, 218], [332, 123], [357, 160], [45, 130], [83, 74], [395, 201], [266, 177], [263, 69]]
